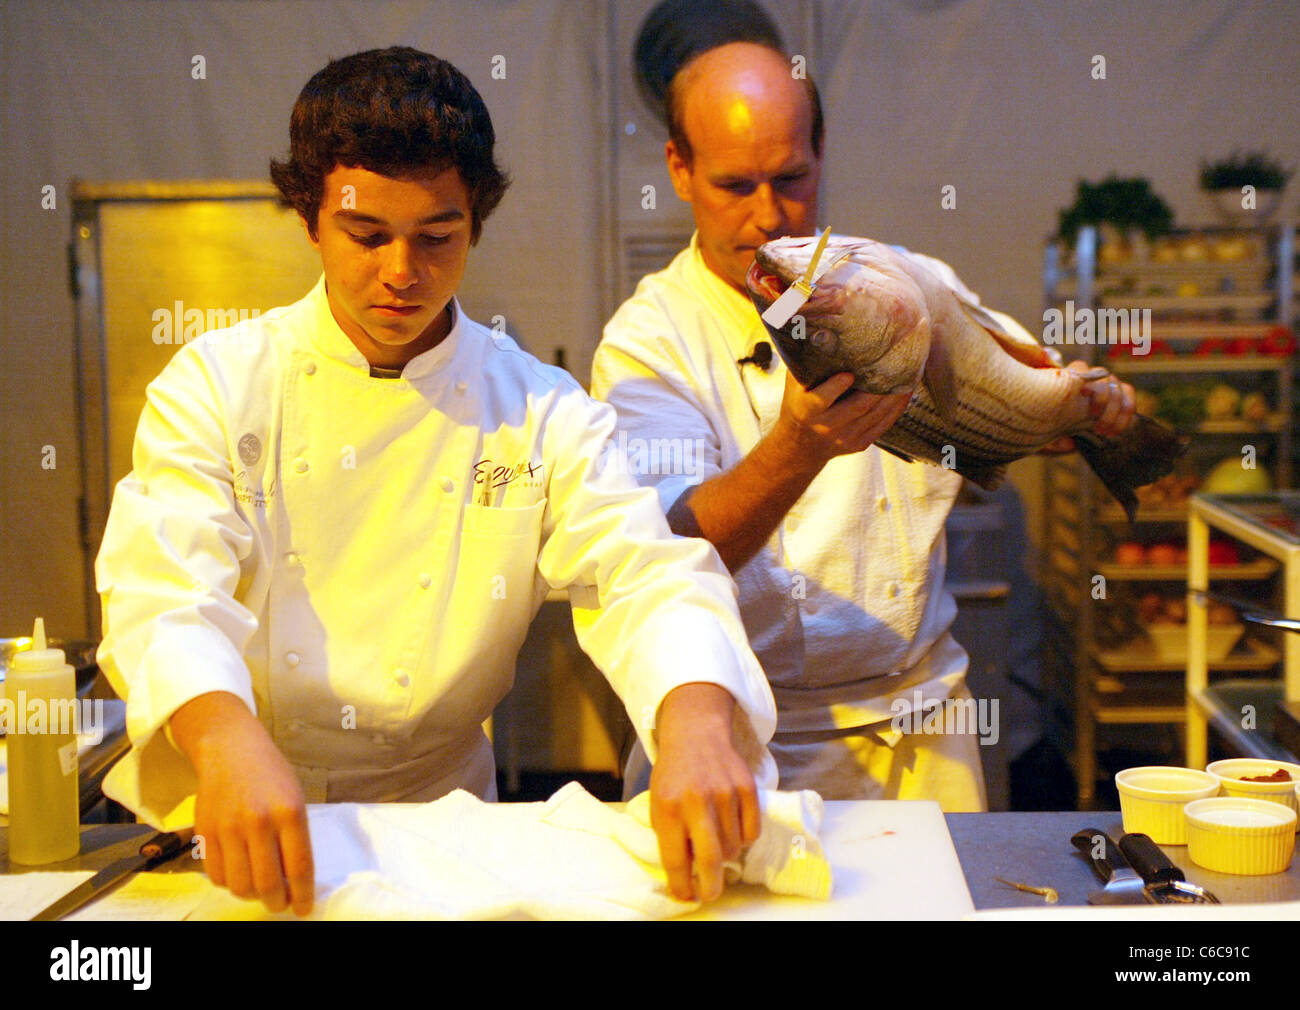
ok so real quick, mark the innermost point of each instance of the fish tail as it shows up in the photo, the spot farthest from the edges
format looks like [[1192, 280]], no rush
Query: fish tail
[[1144, 453]]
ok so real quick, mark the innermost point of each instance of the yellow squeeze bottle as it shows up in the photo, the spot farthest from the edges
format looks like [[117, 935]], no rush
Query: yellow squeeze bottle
[[44, 814]]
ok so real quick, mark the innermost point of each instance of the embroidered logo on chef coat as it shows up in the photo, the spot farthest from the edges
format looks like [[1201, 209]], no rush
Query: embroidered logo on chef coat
[[522, 474], [250, 449]]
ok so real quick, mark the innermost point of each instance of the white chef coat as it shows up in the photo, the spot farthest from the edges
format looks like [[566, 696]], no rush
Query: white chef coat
[[845, 604], [318, 542]]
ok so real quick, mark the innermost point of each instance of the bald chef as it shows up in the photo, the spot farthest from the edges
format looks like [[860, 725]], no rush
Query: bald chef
[[837, 547], [343, 516]]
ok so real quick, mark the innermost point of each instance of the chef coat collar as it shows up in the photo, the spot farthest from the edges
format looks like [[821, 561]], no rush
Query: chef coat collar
[[744, 330], [330, 339], [746, 327]]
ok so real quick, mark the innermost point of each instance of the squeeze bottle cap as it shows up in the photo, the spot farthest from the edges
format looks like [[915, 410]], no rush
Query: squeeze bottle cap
[[38, 657]]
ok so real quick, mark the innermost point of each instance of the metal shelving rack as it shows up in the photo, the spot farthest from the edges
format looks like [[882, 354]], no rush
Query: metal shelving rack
[[1114, 685]]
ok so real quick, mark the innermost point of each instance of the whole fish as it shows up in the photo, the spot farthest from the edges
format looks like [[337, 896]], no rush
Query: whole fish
[[982, 395]]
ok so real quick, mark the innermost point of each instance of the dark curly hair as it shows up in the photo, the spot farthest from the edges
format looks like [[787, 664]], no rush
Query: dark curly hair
[[397, 112]]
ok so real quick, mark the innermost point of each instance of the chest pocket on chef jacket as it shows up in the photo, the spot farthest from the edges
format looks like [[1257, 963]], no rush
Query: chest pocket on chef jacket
[[491, 601]]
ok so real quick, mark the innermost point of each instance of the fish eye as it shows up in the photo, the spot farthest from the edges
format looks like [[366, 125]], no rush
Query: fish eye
[[823, 340]]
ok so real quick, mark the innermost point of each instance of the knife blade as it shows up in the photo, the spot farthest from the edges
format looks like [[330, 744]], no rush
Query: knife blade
[[161, 848], [1123, 885], [1164, 880], [1249, 610]]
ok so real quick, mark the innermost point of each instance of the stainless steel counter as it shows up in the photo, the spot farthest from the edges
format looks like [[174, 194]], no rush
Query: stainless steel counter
[[1033, 848]]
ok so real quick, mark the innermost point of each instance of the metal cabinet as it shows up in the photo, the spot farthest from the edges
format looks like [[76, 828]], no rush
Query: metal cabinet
[[153, 265]]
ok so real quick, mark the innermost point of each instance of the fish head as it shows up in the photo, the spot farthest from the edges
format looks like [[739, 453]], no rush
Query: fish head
[[865, 314]]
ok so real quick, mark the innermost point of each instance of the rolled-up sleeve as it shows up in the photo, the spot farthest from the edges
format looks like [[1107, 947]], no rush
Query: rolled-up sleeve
[[653, 610], [167, 574]]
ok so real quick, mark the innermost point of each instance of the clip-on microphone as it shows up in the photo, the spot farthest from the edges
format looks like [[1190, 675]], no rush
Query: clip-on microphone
[[761, 356]]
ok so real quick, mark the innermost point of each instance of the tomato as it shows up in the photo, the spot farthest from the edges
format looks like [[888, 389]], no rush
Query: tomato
[[1279, 340], [1129, 553], [1224, 552], [1162, 554]]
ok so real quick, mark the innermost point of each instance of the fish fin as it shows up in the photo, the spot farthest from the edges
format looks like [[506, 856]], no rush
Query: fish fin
[[1025, 351], [940, 379], [1144, 453]]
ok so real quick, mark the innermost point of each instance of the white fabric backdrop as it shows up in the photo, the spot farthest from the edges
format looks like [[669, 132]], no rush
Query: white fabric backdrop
[[993, 98], [103, 91]]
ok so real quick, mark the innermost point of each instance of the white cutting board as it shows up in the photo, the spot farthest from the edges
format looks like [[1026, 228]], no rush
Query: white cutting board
[[891, 859]]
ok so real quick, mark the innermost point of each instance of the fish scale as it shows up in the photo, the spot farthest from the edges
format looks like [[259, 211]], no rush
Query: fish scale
[[922, 432], [991, 393]]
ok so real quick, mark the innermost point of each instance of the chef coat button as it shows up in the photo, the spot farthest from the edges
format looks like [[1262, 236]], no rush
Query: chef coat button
[[425, 580], [791, 523], [894, 589], [461, 386], [300, 465], [310, 368], [291, 659], [884, 504], [447, 484], [401, 678], [292, 560]]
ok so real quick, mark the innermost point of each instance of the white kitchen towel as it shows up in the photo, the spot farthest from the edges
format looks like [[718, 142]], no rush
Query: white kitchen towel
[[572, 857], [787, 857]]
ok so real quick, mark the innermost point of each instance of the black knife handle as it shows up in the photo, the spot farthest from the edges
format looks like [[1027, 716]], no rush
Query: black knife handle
[[1151, 863], [1111, 858], [164, 846]]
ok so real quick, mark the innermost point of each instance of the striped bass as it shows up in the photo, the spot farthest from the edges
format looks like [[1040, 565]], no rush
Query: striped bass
[[982, 395]]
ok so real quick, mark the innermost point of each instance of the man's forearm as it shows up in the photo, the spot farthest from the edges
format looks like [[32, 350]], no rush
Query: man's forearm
[[738, 510]]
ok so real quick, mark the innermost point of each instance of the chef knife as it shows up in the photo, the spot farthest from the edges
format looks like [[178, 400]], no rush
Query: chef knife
[[1123, 886], [1164, 880], [161, 848]]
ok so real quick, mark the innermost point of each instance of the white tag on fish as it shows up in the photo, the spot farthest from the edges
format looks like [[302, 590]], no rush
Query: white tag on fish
[[790, 302], [792, 299]]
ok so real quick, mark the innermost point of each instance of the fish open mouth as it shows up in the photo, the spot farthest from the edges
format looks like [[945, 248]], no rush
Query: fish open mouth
[[763, 283]]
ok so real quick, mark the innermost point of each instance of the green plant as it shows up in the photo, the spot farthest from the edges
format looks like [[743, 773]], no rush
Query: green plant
[[1250, 168], [1183, 406], [1124, 203]]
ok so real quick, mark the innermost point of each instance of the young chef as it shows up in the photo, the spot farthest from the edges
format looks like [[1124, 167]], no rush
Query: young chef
[[343, 516], [837, 547]]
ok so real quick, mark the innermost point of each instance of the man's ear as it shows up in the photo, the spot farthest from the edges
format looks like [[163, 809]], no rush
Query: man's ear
[[678, 171]]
